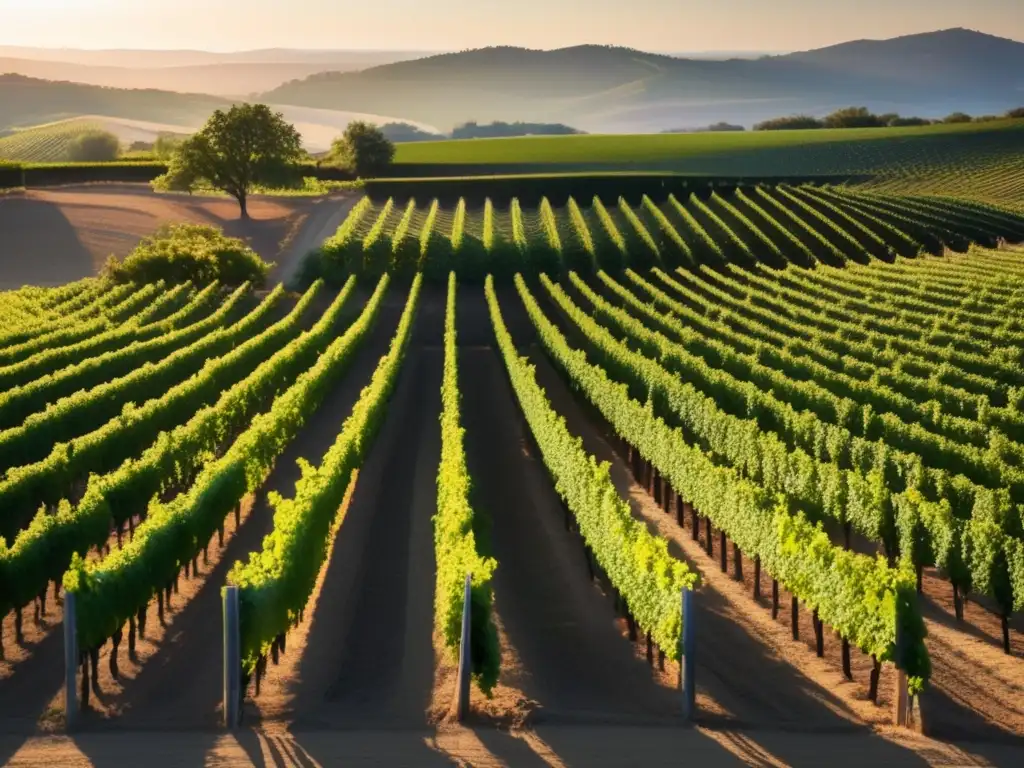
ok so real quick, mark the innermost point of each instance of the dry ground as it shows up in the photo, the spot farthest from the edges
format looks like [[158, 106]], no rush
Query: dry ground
[[54, 236]]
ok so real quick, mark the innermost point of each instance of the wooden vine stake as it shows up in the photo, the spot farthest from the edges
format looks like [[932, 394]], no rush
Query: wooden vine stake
[[903, 704], [688, 657], [71, 660], [232, 659], [465, 657]]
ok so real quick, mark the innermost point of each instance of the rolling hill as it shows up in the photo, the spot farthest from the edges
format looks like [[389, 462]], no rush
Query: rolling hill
[[221, 74], [608, 89], [31, 103]]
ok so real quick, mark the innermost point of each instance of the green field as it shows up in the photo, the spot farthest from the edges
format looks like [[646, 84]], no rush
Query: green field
[[44, 143], [979, 160], [780, 225]]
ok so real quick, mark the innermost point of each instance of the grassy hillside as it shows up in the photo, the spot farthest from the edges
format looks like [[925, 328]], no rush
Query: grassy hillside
[[982, 160], [25, 102], [620, 90], [49, 143]]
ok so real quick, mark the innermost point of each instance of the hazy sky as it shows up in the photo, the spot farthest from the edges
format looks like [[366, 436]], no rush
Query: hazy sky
[[663, 25]]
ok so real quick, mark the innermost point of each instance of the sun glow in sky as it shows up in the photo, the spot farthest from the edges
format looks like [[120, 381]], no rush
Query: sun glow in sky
[[662, 25]]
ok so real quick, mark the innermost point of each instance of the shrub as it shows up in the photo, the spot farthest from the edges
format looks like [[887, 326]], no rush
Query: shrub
[[364, 149], [957, 117], [94, 147], [178, 253], [1017, 113], [853, 117], [904, 122], [793, 123]]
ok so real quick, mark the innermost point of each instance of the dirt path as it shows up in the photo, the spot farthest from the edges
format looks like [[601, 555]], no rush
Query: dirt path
[[573, 660], [54, 236], [319, 223], [482, 748], [179, 685], [366, 659]]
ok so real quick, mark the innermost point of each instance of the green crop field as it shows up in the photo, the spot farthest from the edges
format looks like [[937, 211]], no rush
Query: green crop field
[[979, 160], [45, 143], [777, 226], [481, 398], [787, 409]]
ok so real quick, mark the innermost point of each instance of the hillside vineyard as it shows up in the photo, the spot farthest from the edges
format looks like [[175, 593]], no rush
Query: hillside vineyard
[[816, 391]]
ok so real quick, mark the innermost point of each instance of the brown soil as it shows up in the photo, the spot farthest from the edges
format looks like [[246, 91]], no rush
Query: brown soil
[[573, 660], [59, 235], [364, 657]]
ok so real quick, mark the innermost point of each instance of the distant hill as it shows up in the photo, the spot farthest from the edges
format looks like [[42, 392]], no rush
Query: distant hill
[[599, 88], [234, 74], [28, 102], [951, 58]]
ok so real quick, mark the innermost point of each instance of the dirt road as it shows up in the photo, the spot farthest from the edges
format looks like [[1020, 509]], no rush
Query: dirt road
[[366, 659], [54, 236]]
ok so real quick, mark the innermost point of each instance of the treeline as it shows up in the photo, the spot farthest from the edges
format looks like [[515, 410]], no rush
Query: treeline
[[498, 129], [406, 132], [862, 117], [713, 128]]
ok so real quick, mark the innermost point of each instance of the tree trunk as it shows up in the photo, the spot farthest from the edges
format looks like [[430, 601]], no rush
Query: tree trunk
[[19, 638], [737, 562], [115, 641], [679, 510], [650, 651], [795, 617], [694, 523], [243, 205], [709, 544], [819, 635], [876, 670], [94, 664], [958, 603], [847, 671], [757, 577], [131, 637], [775, 599], [84, 695]]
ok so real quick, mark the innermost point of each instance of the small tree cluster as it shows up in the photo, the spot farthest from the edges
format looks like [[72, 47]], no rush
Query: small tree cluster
[[363, 148], [94, 147]]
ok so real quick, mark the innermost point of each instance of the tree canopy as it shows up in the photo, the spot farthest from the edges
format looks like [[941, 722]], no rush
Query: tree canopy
[[363, 148], [236, 150]]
